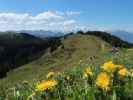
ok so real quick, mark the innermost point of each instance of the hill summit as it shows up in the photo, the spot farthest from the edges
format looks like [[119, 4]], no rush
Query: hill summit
[[57, 54]]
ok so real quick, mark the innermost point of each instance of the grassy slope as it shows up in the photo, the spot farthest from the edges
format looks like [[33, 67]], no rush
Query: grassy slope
[[77, 51]]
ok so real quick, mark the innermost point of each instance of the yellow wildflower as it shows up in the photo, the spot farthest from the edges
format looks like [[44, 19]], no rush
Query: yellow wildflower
[[109, 66], [45, 85], [50, 74], [103, 81], [123, 72], [88, 72]]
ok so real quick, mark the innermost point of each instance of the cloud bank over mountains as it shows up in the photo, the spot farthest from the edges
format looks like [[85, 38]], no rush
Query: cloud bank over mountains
[[48, 20]]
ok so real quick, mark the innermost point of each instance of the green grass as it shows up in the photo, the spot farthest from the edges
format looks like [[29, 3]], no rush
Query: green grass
[[76, 55], [75, 88], [77, 48]]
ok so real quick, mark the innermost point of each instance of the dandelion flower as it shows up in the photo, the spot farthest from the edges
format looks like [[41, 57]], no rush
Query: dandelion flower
[[123, 72], [88, 72], [109, 66], [45, 85], [103, 81], [50, 74]]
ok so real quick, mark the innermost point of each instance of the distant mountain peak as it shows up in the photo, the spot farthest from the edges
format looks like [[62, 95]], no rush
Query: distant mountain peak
[[124, 35], [42, 33]]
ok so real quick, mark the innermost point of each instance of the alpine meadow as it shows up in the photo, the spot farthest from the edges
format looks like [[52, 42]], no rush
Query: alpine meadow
[[66, 50]]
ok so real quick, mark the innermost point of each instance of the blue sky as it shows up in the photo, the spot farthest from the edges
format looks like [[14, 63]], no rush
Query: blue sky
[[84, 14]]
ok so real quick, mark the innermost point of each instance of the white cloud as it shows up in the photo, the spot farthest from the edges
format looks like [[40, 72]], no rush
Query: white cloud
[[48, 20], [73, 13], [69, 13]]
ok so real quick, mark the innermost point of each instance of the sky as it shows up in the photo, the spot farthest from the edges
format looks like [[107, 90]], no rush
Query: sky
[[66, 15]]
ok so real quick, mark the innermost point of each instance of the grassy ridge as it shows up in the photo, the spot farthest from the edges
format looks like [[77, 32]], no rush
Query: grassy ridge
[[79, 52], [17, 49], [81, 81], [76, 48]]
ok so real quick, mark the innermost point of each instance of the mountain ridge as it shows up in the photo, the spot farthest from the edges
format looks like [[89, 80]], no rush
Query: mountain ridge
[[42, 33], [125, 35], [18, 49]]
